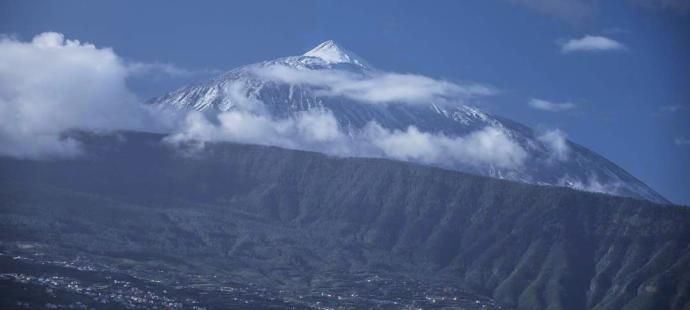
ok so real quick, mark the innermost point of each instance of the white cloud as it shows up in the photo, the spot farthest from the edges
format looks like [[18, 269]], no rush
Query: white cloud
[[489, 146], [249, 122], [50, 85], [312, 130], [378, 87], [319, 131], [541, 104], [556, 143], [591, 44], [236, 95]]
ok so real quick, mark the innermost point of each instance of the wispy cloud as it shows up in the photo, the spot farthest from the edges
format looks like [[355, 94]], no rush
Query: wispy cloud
[[682, 141], [375, 87], [674, 108], [590, 43], [96, 97], [320, 130], [593, 184], [550, 106], [556, 144], [157, 68]]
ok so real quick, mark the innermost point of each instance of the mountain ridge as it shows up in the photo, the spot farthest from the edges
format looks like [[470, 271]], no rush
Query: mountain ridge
[[247, 89], [296, 219]]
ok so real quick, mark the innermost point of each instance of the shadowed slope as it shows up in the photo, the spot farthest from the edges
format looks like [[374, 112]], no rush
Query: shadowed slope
[[297, 220]]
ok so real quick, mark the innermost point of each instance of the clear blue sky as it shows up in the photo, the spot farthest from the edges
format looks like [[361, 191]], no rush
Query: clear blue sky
[[631, 105]]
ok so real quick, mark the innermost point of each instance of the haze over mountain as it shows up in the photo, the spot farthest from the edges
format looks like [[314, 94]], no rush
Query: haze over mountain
[[332, 101]]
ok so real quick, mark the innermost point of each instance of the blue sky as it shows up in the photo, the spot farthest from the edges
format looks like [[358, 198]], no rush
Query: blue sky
[[630, 104]]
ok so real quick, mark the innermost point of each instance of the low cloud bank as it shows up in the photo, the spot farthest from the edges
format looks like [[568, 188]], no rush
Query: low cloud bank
[[49, 85], [489, 146], [319, 131]]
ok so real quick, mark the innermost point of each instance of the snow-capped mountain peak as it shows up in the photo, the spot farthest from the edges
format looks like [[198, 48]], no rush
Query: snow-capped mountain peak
[[331, 53], [332, 79]]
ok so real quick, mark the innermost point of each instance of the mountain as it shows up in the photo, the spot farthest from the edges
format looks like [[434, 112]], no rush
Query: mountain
[[138, 223], [549, 160]]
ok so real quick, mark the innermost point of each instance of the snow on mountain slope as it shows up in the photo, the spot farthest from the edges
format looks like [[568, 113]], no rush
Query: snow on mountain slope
[[331, 53], [399, 110]]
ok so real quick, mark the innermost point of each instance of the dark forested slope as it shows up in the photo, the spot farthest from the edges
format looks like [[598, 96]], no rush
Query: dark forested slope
[[298, 220]]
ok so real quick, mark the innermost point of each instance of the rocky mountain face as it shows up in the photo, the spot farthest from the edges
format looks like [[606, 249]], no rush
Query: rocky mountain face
[[331, 78], [328, 231]]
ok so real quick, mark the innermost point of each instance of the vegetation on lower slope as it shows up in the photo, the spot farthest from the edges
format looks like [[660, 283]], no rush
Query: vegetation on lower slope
[[295, 219]]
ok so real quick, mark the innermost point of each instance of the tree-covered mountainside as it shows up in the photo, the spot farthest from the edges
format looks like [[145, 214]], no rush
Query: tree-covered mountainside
[[301, 222]]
